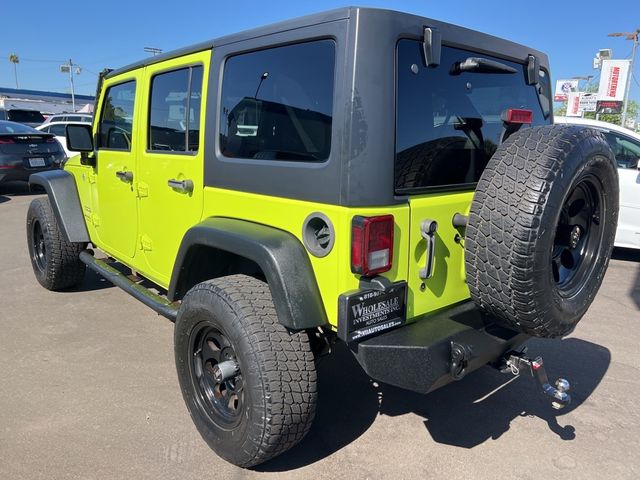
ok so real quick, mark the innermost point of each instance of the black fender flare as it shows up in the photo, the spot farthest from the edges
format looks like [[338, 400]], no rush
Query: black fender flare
[[65, 202], [280, 255]]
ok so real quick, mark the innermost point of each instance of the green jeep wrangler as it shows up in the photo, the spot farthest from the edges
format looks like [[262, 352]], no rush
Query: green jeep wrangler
[[373, 177]]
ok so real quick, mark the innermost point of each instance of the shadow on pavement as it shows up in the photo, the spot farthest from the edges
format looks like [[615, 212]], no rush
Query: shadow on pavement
[[463, 414], [15, 189], [626, 254], [92, 281], [630, 255]]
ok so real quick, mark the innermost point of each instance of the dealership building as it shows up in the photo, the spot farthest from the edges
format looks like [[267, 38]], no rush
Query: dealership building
[[45, 102]]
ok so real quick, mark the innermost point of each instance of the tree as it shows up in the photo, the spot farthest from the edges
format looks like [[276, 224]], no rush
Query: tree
[[13, 58]]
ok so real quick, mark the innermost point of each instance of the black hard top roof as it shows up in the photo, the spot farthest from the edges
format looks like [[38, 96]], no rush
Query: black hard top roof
[[313, 19], [292, 24]]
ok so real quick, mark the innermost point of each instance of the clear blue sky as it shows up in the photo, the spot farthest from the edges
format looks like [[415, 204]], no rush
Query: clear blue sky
[[113, 32]]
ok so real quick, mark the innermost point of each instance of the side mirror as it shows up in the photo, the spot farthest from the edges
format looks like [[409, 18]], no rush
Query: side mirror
[[79, 138]]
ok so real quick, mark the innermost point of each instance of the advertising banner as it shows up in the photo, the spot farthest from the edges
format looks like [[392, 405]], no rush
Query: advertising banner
[[573, 104], [588, 102], [609, 106], [613, 80], [563, 88]]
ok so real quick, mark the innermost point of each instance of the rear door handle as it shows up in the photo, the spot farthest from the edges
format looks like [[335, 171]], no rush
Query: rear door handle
[[182, 186], [428, 229], [125, 176]]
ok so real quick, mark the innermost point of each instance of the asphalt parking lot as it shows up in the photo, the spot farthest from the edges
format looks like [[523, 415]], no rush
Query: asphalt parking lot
[[88, 390]]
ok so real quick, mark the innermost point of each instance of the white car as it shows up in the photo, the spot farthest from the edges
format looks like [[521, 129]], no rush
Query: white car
[[69, 118], [626, 147], [59, 130]]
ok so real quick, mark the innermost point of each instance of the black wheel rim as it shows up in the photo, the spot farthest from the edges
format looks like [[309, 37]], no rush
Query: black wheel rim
[[578, 236], [39, 253], [222, 401]]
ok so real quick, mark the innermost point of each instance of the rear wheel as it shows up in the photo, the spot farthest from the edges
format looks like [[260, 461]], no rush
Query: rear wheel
[[55, 261], [541, 228], [248, 382]]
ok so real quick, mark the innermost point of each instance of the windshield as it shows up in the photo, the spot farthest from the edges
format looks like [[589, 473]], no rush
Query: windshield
[[449, 121]]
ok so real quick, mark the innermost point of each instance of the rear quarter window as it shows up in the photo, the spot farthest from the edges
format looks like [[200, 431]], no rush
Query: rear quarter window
[[277, 103], [448, 126]]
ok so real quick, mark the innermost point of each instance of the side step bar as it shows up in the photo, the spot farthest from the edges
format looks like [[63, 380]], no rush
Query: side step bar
[[158, 303]]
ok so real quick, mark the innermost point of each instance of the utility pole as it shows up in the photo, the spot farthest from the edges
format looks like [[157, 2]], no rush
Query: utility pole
[[68, 67], [13, 58], [153, 51], [633, 36]]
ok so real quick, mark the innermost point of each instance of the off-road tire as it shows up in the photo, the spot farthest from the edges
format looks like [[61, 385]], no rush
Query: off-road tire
[[277, 370], [523, 203], [55, 261]]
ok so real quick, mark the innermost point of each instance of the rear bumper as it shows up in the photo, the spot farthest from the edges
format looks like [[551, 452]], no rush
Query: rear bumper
[[21, 173], [418, 356]]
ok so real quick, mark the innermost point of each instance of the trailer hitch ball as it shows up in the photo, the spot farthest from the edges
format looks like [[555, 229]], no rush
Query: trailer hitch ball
[[518, 362]]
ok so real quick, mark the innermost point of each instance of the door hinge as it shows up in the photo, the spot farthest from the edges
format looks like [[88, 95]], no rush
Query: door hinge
[[91, 177], [95, 219], [146, 244], [142, 189]]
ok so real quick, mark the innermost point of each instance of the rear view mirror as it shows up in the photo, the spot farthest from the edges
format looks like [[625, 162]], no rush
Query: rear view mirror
[[79, 138]]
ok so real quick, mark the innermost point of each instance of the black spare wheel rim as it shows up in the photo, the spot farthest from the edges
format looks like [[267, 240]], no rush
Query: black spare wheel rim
[[541, 228], [39, 249], [578, 236], [215, 376]]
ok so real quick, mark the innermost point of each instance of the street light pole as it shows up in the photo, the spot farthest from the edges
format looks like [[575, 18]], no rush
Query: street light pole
[[633, 36], [626, 92], [68, 67], [73, 93]]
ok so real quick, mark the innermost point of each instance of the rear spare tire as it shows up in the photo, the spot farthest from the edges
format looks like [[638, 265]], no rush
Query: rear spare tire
[[541, 228]]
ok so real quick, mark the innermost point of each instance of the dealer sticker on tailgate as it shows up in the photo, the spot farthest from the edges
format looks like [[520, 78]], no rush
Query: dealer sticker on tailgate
[[363, 313]]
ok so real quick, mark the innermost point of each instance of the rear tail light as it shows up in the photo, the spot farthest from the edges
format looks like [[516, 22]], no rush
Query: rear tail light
[[4, 141], [517, 115], [50, 140], [371, 244]]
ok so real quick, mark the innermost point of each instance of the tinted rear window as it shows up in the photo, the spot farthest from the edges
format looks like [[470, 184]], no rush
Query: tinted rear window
[[25, 116], [277, 103], [58, 130], [448, 126], [9, 127]]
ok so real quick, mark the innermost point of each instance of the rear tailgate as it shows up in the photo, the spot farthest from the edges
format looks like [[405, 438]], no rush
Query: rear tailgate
[[448, 125]]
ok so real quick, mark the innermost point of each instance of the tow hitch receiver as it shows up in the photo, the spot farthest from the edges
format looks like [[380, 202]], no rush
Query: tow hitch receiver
[[517, 363]]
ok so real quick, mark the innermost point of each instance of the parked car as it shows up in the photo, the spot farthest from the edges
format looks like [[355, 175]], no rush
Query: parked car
[[626, 147], [58, 129], [32, 118], [69, 117], [365, 176], [25, 150]]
